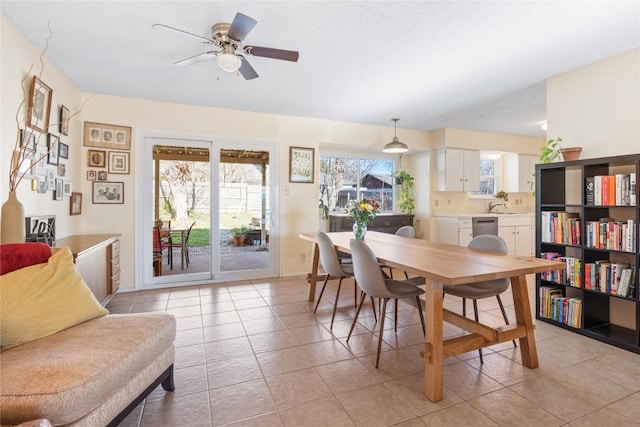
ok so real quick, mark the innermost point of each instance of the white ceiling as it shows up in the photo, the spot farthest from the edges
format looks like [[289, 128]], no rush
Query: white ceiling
[[466, 64]]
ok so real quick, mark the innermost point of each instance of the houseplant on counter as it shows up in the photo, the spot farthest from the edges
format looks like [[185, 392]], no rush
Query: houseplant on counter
[[361, 212], [407, 202]]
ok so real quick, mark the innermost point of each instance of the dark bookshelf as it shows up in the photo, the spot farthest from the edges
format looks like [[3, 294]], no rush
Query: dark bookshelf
[[561, 187]]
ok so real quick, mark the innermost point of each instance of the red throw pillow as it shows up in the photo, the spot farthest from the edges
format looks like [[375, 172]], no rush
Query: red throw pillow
[[14, 256]]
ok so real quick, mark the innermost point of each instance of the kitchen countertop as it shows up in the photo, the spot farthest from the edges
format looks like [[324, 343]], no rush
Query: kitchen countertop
[[484, 214]]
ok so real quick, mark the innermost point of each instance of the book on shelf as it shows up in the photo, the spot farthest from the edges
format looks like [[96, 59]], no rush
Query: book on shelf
[[611, 190], [589, 191], [633, 189], [560, 227]]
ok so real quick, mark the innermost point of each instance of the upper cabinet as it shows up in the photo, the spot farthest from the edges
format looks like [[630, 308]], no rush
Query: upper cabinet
[[458, 170], [519, 172]]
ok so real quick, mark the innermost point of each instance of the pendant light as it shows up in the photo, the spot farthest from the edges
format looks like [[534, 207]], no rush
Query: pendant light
[[395, 146]]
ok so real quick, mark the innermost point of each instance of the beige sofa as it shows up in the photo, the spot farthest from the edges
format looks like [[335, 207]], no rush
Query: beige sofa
[[91, 374]]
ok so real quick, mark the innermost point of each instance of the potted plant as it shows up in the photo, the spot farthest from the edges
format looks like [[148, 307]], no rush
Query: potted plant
[[407, 202], [553, 149], [239, 235]]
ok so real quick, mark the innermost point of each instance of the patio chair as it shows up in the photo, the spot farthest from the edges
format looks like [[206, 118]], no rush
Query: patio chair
[[183, 243], [160, 244]]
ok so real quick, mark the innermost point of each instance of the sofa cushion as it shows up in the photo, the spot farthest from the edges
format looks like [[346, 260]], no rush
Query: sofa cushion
[[69, 374], [14, 256], [43, 299]]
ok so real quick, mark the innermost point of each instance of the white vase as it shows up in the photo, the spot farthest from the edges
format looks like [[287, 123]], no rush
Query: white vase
[[12, 220]]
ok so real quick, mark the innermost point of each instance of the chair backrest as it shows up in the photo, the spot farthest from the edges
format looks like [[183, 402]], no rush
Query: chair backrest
[[367, 271], [489, 242], [186, 237], [406, 231], [329, 255], [157, 246]]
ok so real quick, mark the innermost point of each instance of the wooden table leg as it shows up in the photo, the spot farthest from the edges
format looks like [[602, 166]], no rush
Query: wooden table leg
[[523, 317], [314, 272], [433, 341]]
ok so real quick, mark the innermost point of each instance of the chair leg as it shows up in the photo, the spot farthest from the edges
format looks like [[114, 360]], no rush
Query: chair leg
[[406, 275], [504, 314], [475, 312], [424, 331], [395, 307], [355, 319], [382, 316], [324, 285], [464, 307], [355, 293], [335, 304], [373, 308]]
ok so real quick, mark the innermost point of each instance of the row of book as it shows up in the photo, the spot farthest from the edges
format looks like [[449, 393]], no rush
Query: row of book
[[560, 227], [572, 276], [610, 234], [555, 306], [610, 277], [611, 190]]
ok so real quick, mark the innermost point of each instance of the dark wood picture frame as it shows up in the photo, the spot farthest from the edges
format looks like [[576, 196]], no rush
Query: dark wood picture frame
[[39, 105], [301, 164], [64, 120], [63, 150], [75, 203], [53, 142], [96, 158]]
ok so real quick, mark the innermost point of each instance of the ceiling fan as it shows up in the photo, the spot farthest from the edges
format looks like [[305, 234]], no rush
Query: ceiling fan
[[228, 39]]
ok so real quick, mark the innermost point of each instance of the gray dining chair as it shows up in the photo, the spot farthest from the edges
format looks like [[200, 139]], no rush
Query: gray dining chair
[[373, 283], [404, 231], [482, 290], [332, 266]]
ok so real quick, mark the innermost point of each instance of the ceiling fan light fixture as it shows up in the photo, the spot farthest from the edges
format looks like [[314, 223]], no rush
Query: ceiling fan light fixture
[[228, 62], [395, 146]]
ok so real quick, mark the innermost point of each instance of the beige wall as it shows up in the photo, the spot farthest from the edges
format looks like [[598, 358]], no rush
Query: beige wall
[[598, 106]]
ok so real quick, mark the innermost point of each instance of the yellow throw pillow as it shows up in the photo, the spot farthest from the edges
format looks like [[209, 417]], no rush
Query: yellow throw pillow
[[40, 300]]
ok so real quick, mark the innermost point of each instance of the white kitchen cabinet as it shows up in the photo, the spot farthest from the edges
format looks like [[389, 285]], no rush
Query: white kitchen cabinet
[[458, 170], [518, 233], [519, 170], [453, 230]]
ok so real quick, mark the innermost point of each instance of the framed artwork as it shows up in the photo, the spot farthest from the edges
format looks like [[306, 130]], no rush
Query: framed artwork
[[39, 105], [66, 188], [101, 135], [52, 147], [24, 163], [102, 176], [301, 161], [57, 194], [64, 121], [118, 162], [51, 179], [43, 185], [105, 192], [75, 203], [63, 150], [96, 158], [91, 175], [28, 140], [62, 169]]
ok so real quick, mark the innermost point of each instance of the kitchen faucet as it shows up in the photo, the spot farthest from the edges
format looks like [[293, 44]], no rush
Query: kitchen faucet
[[493, 205]]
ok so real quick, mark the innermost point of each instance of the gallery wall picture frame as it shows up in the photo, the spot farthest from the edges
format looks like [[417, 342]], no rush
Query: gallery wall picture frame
[[64, 120], [96, 158], [39, 105], [28, 140], [108, 192], [24, 163], [101, 135], [62, 170], [301, 164], [75, 203], [59, 191], [118, 162], [102, 176], [63, 150], [91, 175], [66, 188], [51, 179], [52, 147]]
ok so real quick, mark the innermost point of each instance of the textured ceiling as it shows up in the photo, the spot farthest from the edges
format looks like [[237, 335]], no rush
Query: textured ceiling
[[466, 64]]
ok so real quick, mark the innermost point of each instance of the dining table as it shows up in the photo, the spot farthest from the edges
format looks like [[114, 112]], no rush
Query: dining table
[[443, 264]]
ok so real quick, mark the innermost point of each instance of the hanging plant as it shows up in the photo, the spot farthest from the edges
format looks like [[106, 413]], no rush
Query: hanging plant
[[406, 203]]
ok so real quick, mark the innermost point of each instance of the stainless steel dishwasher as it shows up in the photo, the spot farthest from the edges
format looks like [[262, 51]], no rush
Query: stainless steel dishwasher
[[484, 225]]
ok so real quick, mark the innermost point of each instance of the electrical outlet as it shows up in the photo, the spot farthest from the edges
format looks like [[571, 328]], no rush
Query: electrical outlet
[[286, 190], [435, 203], [303, 257]]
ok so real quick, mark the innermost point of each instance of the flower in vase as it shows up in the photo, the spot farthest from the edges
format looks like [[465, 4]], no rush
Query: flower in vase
[[361, 212]]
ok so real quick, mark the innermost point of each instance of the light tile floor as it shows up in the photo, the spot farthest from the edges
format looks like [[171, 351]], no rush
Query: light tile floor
[[255, 354]]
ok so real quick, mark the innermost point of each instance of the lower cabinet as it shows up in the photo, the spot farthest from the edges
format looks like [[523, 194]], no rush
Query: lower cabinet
[[97, 258], [385, 223], [453, 230], [518, 233]]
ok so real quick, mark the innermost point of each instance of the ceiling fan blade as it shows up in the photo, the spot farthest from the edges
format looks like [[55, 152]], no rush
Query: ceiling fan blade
[[267, 52], [196, 58], [241, 26], [246, 69], [185, 33]]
